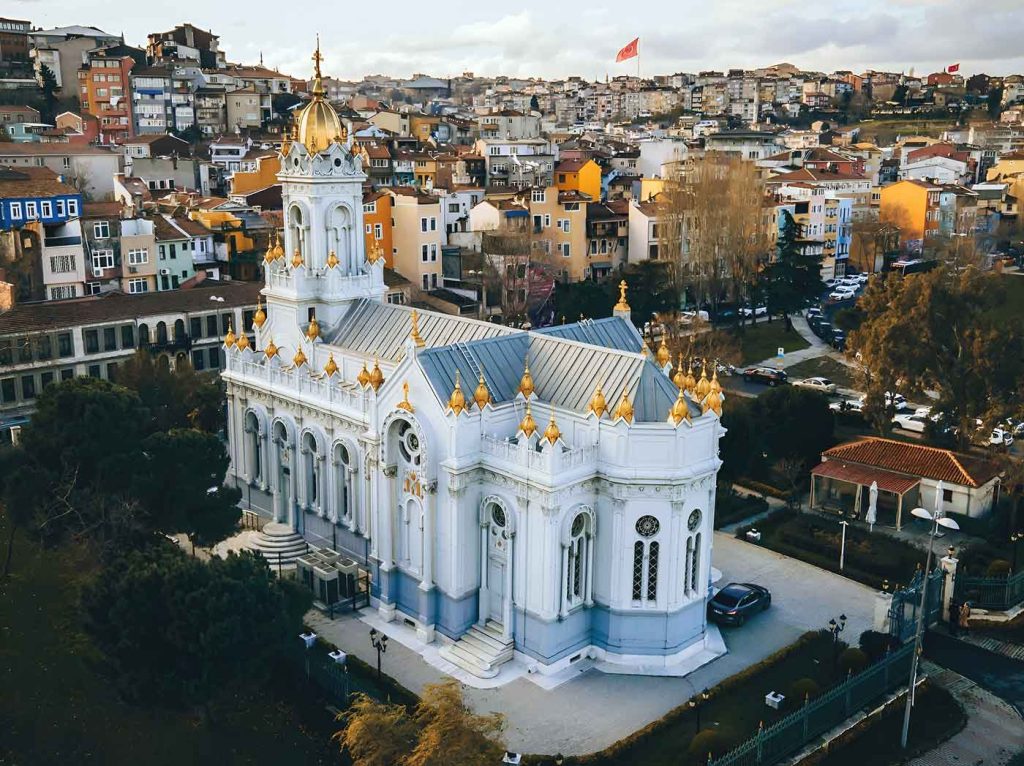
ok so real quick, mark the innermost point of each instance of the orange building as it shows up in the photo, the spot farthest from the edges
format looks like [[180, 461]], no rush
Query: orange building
[[582, 176], [377, 224], [104, 92], [913, 207], [264, 175]]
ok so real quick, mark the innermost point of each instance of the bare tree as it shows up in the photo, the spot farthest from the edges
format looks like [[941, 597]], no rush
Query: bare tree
[[871, 239]]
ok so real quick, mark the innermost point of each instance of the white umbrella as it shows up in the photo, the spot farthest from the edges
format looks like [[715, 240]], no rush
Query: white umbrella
[[938, 498], [872, 514]]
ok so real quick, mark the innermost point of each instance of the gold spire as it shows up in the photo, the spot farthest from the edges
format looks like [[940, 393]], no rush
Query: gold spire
[[551, 433], [457, 401], [296, 259], [376, 376], [414, 333], [318, 123], [527, 425], [286, 141], [622, 305], [405, 404], [271, 349], [260, 316], [313, 331], [598, 405], [300, 358], [482, 395], [691, 382], [703, 385], [624, 409], [243, 342], [331, 367], [269, 255], [715, 387], [713, 402], [278, 247], [364, 376], [332, 260], [229, 339], [680, 410], [375, 253], [526, 382], [680, 377], [663, 356]]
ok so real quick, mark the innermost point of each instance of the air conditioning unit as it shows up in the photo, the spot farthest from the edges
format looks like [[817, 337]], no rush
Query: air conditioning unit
[[165, 272], [133, 269]]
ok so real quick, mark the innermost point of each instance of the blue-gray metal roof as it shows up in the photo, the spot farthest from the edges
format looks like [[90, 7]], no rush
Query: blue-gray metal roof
[[610, 332]]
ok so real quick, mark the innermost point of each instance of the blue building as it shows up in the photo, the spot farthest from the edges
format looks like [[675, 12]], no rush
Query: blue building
[[36, 195]]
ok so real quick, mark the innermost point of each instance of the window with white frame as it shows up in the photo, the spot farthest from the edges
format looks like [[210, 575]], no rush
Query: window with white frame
[[423, 224], [433, 223], [370, 207], [563, 224], [645, 560], [62, 291], [31, 210], [65, 163], [565, 248], [72, 207], [547, 220], [62, 264], [433, 252], [15, 210], [378, 231], [136, 286], [102, 259], [47, 208], [61, 208], [138, 256], [369, 228], [577, 560], [424, 253], [538, 195], [691, 564]]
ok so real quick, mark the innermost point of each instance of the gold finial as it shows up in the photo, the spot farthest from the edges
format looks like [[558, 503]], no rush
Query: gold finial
[[271, 349], [715, 387], [332, 260], [229, 339], [414, 333], [482, 395], [318, 88], [243, 342], [551, 433], [376, 376], [680, 410], [364, 376], [622, 305], [526, 382], [300, 358], [313, 331], [624, 409], [331, 367], [680, 377], [296, 259], [375, 253], [260, 316], [713, 402], [703, 385], [269, 255], [663, 356], [278, 247], [457, 401], [598, 405], [286, 142], [527, 425], [691, 381], [405, 404]]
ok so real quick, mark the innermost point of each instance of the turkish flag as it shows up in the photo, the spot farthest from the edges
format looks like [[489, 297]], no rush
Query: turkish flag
[[953, 68], [630, 51]]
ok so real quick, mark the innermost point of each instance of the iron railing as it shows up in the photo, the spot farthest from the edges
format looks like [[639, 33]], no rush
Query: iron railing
[[996, 593]]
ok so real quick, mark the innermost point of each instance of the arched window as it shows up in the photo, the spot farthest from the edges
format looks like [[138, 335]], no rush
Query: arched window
[[311, 471], [161, 332], [652, 572], [645, 560], [638, 570], [691, 566], [342, 467], [577, 560], [409, 444], [253, 439], [179, 329], [143, 334]]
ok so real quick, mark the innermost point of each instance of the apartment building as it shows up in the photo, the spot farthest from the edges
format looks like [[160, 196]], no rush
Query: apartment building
[[418, 236], [607, 237], [138, 256], [517, 163], [377, 223], [913, 206], [90, 168], [104, 90]]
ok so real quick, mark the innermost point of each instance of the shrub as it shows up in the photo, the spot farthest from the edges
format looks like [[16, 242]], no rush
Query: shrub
[[853, 659], [998, 568], [707, 741], [875, 644], [804, 688]]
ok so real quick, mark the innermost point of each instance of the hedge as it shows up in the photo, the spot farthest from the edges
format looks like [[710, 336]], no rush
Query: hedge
[[764, 489]]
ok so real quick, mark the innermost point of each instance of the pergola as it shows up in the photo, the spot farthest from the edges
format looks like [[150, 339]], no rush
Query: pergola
[[862, 476]]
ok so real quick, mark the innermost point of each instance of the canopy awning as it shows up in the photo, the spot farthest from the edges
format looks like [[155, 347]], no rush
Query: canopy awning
[[888, 481]]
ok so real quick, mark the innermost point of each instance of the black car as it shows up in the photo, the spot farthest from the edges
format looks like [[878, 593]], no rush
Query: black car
[[736, 602], [824, 330], [765, 375], [838, 340]]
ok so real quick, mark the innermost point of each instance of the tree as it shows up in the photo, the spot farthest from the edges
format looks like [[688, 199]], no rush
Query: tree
[[936, 331], [794, 277], [651, 291], [48, 84], [171, 626], [20, 485], [178, 398], [376, 733], [994, 102], [776, 411], [534, 104], [871, 240]]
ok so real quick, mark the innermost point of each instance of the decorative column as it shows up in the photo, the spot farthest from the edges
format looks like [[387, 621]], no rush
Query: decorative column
[[948, 563], [506, 631], [319, 469], [484, 597], [588, 587], [233, 437], [427, 579], [332, 503], [563, 581], [386, 517]]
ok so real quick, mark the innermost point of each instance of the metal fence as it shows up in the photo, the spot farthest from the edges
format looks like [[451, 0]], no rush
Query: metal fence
[[336, 681], [997, 593], [788, 735], [906, 603]]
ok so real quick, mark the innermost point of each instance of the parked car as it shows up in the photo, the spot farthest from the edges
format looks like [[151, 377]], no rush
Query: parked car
[[765, 375], [759, 310], [855, 406], [737, 602], [915, 423], [831, 283], [897, 401], [1000, 438], [813, 311], [818, 384], [823, 330], [686, 317], [842, 293], [838, 340], [1014, 426]]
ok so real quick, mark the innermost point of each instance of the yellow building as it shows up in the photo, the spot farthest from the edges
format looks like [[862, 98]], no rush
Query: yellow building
[[422, 126], [417, 236], [265, 174], [913, 207], [559, 229], [582, 176]]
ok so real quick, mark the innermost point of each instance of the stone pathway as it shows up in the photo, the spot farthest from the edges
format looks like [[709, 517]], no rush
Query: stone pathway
[[816, 348], [1005, 648], [994, 731]]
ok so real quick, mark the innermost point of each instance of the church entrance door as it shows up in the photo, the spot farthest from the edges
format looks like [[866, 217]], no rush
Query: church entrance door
[[496, 589], [497, 560]]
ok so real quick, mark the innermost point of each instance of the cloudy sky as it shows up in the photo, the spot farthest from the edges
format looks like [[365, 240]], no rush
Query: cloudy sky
[[554, 39]]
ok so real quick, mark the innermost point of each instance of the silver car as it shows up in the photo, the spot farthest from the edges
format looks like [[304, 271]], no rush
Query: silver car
[[818, 384]]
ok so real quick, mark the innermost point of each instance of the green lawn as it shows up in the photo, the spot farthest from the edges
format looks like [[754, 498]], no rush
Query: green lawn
[[762, 341], [823, 367], [57, 708]]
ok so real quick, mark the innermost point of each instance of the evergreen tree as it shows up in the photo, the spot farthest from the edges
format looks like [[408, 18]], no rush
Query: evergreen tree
[[48, 83], [794, 277]]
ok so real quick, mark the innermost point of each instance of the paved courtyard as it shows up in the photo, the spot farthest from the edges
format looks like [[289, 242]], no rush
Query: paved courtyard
[[593, 710]]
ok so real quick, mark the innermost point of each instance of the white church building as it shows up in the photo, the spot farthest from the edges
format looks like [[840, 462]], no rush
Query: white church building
[[546, 494]]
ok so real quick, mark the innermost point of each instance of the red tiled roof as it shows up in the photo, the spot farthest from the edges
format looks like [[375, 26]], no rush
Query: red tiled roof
[[915, 460], [864, 475]]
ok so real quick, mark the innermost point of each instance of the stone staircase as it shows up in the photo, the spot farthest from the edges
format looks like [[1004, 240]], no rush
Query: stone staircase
[[279, 543], [481, 650]]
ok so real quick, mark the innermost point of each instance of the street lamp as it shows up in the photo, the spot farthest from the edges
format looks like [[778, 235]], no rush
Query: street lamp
[[835, 628], [1015, 538], [937, 520], [380, 643], [697, 702]]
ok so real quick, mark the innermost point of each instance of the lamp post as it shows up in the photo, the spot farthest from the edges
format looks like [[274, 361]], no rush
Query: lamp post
[[1015, 538], [842, 545], [835, 628], [937, 520], [309, 639], [380, 643], [696, 703]]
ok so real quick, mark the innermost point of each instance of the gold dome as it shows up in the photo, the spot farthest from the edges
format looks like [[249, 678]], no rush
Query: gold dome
[[332, 260], [715, 387], [269, 255], [364, 376], [376, 376], [375, 253], [229, 339], [703, 385], [405, 404], [331, 367], [624, 409], [296, 259], [679, 411], [300, 358], [713, 402], [691, 381], [482, 395], [318, 123], [414, 333], [663, 356], [551, 433], [278, 247], [313, 331], [526, 382], [243, 342], [527, 425], [457, 401], [622, 305], [260, 316], [598, 405], [680, 377], [271, 349]]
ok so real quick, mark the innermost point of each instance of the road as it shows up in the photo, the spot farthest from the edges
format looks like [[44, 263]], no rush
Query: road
[[1001, 675]]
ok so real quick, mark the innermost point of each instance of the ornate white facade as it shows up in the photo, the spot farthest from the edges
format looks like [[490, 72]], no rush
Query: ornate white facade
[[479, 493]]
